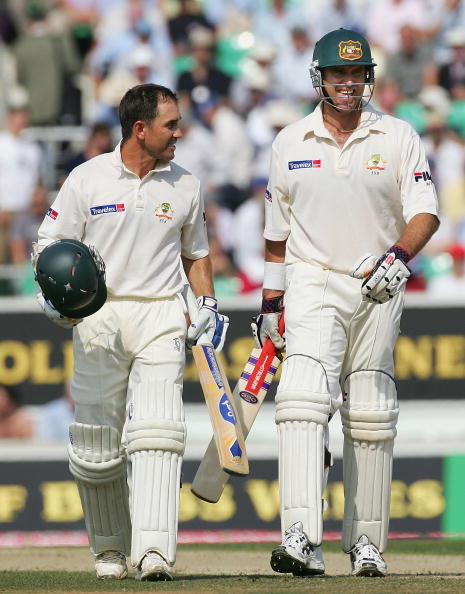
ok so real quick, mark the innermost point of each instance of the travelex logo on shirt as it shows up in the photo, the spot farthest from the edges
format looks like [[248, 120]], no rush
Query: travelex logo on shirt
[[310, 164], [104, 209], [268, 196], [52, 213]]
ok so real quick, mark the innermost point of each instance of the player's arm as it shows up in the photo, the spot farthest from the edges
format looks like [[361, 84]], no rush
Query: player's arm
[[266, 323], [206, 322], [418, 232]]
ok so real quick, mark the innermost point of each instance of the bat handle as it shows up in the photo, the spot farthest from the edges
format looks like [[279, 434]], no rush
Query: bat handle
[[268, 347], [203, 339]]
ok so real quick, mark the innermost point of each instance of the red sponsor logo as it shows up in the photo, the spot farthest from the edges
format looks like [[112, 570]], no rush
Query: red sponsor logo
[[52, 213], [120, 208]]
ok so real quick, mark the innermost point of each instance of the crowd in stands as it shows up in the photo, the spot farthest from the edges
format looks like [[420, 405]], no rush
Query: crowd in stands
[[240, 68]]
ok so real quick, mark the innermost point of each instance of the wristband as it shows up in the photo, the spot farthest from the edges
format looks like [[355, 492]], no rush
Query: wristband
[[208, 302], [400, 253], [275, 276], [272, 305]]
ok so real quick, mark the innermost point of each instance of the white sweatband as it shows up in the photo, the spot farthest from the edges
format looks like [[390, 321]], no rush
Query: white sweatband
[[275, 276]]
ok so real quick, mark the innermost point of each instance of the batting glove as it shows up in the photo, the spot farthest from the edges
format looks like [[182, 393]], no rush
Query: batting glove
[[266, 323], [209, 323], [54, 315], [383, 277]]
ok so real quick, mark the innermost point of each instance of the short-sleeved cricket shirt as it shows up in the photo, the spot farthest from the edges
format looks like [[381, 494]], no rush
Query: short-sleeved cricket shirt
[[139, 226], [333, 204]]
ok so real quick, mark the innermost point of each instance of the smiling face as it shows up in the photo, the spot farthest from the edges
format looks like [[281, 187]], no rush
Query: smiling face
[[344, 85], [158, 137]]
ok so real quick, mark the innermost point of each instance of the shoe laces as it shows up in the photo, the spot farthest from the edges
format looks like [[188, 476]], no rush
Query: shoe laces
[[368, 551], [298, 540], [110, 556]]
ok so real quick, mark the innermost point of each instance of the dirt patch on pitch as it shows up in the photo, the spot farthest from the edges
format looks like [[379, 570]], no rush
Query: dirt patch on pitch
[[221, 562]]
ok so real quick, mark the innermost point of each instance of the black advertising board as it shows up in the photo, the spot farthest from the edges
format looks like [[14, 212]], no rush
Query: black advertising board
[[36, 355], [42, 495]]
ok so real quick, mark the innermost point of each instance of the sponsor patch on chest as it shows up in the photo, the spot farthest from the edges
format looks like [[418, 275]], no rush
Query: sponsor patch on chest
[[308, 164], [107, 208]]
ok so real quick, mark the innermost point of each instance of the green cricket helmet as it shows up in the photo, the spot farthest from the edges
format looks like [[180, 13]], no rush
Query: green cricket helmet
[[72, 278], [342, 47]]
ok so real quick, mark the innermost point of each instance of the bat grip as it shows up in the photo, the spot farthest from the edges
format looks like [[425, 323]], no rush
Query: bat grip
[[268, 347]]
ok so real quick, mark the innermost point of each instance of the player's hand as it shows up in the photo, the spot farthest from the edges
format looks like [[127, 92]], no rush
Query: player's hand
[[54, 315], [383, 277], [209, 322], [266, 323]]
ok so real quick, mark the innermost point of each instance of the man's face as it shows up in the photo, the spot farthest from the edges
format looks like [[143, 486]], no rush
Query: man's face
[[345, 85], [160, 135]]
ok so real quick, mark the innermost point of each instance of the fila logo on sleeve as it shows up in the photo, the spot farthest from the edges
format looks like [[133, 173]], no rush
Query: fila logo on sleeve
[[106, 208], [422, 176], [309, 164]]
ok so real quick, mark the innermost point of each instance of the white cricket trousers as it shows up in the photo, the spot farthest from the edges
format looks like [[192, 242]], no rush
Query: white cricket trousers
[[327, 320], [117, 348]]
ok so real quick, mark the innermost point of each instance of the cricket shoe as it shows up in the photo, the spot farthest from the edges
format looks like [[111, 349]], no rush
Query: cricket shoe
[[366, 559], [153, 568], [297, 555], [111, 565]]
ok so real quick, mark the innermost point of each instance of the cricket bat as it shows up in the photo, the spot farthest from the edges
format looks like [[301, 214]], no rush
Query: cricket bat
[[249, 393], [228, 440]]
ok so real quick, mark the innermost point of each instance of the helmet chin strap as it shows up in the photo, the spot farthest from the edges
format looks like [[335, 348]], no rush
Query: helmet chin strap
[[362, 99]]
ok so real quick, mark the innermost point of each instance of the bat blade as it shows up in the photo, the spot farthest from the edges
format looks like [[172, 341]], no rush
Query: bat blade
[[228, 438], [249, 393]]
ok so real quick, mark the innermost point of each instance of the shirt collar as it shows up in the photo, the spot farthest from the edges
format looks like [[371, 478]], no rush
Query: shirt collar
[[371, 119], [118, 161]]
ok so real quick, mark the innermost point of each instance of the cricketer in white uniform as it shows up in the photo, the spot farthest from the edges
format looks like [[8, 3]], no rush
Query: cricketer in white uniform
[[349, 201], [143, 213]]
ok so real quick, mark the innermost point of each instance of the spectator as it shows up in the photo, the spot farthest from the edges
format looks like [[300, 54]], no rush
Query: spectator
[[452, 73], [22, 234], [231, 135], [198, 152], [248, 225], [20, 172], [188, 17], [204, 77], [336, 14], [275, 20], [55, 417], [256, 76], [99, 141], [385, 18], [452, 283], [45, 62], [291, 69], [15, 421], [406, 68]]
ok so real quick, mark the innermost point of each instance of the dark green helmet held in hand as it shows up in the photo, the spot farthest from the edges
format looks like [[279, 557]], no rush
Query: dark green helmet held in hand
[[72, 278]]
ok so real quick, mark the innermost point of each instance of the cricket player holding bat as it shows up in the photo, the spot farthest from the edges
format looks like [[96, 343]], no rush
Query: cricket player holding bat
[[142, 213], [349, 201]]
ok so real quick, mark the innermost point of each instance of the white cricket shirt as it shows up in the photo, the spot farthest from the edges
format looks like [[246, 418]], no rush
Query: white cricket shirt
[[139, 226], [332, 204]]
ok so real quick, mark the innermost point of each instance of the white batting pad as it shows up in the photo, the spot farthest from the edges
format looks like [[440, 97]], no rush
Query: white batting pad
[[302, 409], [98, 464], [156, 439], [369, 418]]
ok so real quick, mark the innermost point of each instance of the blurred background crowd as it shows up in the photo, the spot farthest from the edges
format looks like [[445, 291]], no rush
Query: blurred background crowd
[[240, 68]]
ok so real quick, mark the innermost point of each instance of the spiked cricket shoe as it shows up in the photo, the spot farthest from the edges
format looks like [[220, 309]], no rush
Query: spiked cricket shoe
[[111, 565], [297, 555], [153, 568], [366, 559]]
